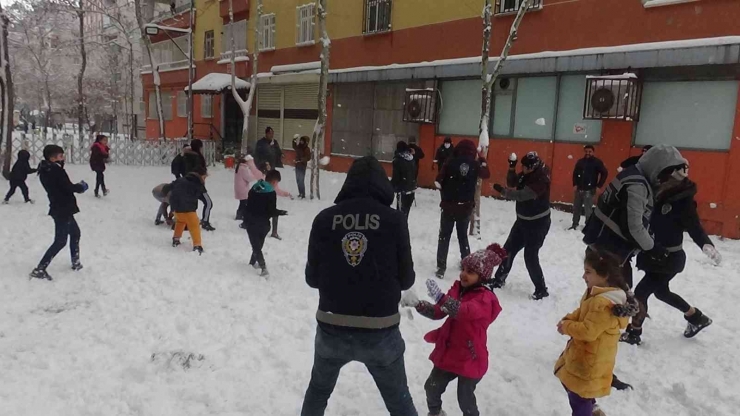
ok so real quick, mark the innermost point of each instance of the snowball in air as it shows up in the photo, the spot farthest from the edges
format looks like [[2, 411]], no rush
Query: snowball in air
[[324, 160], [540, 121], [570, 156], [712, 205]]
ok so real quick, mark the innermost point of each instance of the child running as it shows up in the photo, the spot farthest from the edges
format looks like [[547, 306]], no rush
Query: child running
[[62, 208], [460, 350], [184, 197], [98, 157], [261, 206], [19, 173], [585, 367]]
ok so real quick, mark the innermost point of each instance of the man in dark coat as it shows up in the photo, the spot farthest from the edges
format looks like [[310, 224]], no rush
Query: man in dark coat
[[589, 174], [457, 180], [444, 152], [675, 213], [178, 167], [62, 208], [531, 191], [359, 257], [418, 154], [404, 177], [19, 173], [195, 162], [302, 157], [268, 150]]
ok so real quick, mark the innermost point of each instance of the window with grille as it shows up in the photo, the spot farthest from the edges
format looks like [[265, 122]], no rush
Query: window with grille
[[240, 36], [267, 32], [206, 106], [166, 105], [512, 6], [305, 24], [377, 16], [208, 45], [182, 104]]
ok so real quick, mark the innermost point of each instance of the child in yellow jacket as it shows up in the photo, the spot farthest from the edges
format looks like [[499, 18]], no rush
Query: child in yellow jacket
[[585, 367]]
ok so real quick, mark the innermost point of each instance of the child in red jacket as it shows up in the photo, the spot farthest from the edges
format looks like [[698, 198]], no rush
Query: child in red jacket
[[460, 345]]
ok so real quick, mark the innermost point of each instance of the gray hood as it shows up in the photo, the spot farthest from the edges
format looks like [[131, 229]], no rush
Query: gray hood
[[658, 158]]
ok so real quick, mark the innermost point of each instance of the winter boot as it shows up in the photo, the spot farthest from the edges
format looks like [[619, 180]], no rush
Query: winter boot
[[597, 411], [540, 294], [175, 242], [106, 192], [632, 335], [30, 201], [498, 283], [264, 273], [5, 202], [76, 265], [38, 273], [158, 222], [207, 226], [440, 273], [696, 323], [573, 227], [441, 413], [276, 236], [619, 384], [199, 249]]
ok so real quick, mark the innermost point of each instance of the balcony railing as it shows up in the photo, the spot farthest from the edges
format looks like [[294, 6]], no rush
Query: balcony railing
[[226, 56], [167, 66], [512, 6]]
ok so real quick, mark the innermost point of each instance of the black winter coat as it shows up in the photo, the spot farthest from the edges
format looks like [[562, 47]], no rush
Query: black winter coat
[[630, 161], [193, 160], [261, 203], [404, 173], [589, 174], [418, 155], [442, 155], [534, 202], [178, 166], [21, 168], [674, 213], [61, 191], [268, 150], [458, 179], [185, 193], [359, 251]]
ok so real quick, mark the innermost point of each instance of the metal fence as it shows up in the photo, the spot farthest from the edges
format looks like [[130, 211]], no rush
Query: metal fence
[[123, 151]]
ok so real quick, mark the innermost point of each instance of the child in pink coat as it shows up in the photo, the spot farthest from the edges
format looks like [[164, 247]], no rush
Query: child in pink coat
[[460, 345], [246, 173]]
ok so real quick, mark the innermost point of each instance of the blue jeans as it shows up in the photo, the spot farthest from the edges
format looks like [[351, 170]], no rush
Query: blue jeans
[[65, 228], [300, 177], [381, 352]]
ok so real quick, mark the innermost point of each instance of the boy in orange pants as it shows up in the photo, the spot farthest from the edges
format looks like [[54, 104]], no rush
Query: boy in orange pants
[[184, 203]]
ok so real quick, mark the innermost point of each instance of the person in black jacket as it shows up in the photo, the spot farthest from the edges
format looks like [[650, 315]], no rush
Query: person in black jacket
[[359, 258], [62, 208], [261, 206], [457, 180], [589, 174], [417, 152], [675, 213], [444, 152], [19, 173], [99, 153], [531, 191], [194, 162], [268, 150], [184, 195], [178, 166], [632, 160], [404, 177]]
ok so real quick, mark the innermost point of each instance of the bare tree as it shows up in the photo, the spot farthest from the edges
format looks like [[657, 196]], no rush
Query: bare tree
[[245, 106], [6, 84], [488, 82], [319, 130], [76, 7], [154, 65]]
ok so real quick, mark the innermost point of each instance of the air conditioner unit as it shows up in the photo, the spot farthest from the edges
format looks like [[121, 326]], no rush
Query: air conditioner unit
[[420, 106], [614, 97]]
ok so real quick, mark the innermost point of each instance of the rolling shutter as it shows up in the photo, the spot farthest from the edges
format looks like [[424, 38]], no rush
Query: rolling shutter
[[269, 110], [301, 111]]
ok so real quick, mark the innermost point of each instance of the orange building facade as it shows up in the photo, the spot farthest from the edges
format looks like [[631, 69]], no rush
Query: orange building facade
[[685, 54]]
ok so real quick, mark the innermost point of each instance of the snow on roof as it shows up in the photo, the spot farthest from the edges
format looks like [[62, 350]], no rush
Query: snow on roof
[[306, 66], [638, 47], [626, 75], [217, 82]]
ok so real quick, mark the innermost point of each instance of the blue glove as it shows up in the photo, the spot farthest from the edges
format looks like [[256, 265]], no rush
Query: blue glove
[[84, 185], [434, 291]]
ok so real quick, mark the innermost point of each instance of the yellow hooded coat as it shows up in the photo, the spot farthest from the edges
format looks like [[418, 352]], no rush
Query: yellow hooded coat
[[586, 365]]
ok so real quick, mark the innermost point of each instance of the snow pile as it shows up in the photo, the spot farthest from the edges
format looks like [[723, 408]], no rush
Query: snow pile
[[147, 329]]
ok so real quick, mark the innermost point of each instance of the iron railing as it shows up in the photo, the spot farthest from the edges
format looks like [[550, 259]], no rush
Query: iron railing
[[512, 6], [377, 16]]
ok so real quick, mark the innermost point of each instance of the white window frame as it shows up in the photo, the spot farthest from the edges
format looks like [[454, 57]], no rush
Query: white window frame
[[182, 104], [209, 45], [240, 39], [206, 106], [267, 32], [305, 24]]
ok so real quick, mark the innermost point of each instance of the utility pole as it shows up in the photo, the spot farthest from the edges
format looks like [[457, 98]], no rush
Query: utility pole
[[190, 74]]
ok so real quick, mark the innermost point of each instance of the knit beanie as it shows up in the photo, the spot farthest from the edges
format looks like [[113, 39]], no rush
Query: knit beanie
[[482, 262]]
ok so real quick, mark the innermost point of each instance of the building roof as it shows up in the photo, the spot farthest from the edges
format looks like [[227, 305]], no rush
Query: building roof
[[216, 83]]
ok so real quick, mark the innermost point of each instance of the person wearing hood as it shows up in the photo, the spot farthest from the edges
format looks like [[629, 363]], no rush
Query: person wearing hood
[[261, 206], [99, 153], [457, 180], [246, 173], [531, 191], [674, 213], [62, 208], [195, 162], [302, 156], [178, 166], [443, 153], [19, 173], [404, 177], [621, 220], [359, 258]]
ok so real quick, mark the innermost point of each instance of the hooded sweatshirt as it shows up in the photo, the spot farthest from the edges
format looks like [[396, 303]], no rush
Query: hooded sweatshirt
[[458, 178], [404, 171], [22, 167], [621, 220], [359, 253]]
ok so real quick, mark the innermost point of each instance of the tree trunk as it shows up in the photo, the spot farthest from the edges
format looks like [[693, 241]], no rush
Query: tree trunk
[[488, 81], [47, 116], [245, 106], [7, 90], [154, 66], [81, 74], [133, 127], [318, 132]]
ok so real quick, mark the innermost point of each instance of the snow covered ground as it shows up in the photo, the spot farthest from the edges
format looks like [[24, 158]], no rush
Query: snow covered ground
[[101, 341]]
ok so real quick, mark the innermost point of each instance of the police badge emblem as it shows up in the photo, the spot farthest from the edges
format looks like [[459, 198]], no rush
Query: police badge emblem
[[354, 245], [464, 169], [666, 209]]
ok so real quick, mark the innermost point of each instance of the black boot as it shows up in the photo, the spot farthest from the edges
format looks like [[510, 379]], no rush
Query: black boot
[[696, 323], [498, 283], [199, 249], [632, 335], [76, 265], [175, 242], [619, 384], [540, 294], [207, 226], [39, 273]]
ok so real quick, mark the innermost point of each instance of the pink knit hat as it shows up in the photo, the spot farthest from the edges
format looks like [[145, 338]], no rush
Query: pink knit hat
[[482, 262]]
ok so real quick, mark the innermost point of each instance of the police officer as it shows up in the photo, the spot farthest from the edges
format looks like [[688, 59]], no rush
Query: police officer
[[359, 258], [531, 190]]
